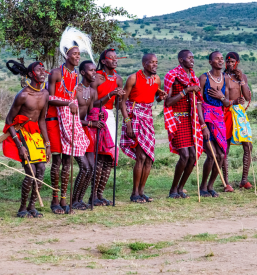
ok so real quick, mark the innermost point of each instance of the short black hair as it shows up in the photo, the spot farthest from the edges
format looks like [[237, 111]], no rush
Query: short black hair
[[210, 56], [182, 53], [233, 55], [146, 56], [82, 65]]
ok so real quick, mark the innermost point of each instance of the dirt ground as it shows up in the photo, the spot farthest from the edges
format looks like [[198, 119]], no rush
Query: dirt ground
[[184, 257]]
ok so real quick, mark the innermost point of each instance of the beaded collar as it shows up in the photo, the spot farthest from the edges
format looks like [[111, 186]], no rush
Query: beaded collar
[[70, 93], [150, 80]]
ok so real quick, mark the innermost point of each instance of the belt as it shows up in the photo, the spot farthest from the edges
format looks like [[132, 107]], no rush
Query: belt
[[51, 118], [176, 114]]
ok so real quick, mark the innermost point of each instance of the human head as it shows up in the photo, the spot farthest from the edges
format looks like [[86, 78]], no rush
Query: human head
[[232, 61], [73, 56], [35, 71], [150, 63], [216, 60], [186, 59], [88, 70], [108, 58]]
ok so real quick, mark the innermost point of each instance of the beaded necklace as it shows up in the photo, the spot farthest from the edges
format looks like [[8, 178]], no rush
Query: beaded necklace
[[219, 79], [37, 90], [150, 80], [110, 77], [63, 81], [86, 91], [239, 82]]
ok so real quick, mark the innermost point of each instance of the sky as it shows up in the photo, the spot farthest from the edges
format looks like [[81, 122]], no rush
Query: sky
[[159, 7]]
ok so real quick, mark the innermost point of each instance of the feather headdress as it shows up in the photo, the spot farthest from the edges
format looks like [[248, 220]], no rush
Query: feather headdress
[[71, 38]]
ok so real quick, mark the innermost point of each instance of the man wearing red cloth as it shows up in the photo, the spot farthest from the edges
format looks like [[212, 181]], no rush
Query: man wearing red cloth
[[30, 106], [63, 103], [108, 85], [90, 122], [179, 111], [137, 136]]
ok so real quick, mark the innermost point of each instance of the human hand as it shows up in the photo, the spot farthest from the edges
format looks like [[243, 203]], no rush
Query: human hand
[[192, 89], [206, 133], [216, 93], [238, 74], [162, 95], [23, 153], [73, 108], [130, 132], [239, 100], [97, 124], [118, 91], [48, 154], [101, 116]]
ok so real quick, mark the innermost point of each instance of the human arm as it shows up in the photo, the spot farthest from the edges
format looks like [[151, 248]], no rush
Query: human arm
[[19, 100], [131, 81], [159, 95], [42, 127]]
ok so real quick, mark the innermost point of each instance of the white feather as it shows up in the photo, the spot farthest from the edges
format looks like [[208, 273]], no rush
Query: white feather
[[83, 41]]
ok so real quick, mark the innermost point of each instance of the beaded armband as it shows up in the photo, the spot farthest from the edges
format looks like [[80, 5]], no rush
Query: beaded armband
[[127, 119], [14, 137], [47, 144], [182, 94]]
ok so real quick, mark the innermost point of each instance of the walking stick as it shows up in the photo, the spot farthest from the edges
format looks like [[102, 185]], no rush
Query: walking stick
[[115, 159], [36, 186], [196, 150], [72, 148], [96, 155], [221, 176]]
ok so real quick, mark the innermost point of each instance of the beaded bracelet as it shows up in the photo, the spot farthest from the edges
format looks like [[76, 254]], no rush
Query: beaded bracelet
[[223, 98], [47, 144], [242, 82], [14, 137], [203, 126], [127, 119], [20, 146], [231, 102], [182, 94]]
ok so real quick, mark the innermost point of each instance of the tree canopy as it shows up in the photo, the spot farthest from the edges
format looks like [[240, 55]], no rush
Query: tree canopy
[[37, 26]]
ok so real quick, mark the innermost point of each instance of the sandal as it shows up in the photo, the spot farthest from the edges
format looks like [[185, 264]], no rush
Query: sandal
[[147, 199], [56, 207], [137, 199], [107, 202], [228, 188], [204, 194], [78, 206], [183, 195], [66, 209], [246, 185], [97, 202], [213, 193], [85, 204], [24, 214], [35, 213], [174, 196]]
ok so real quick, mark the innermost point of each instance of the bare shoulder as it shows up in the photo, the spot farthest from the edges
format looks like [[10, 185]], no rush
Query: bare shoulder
[[203, 77], [244, 77], [55, 71], [132, 78], [46, 93]]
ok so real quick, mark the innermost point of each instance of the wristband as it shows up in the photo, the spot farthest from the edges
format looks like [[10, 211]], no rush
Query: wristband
[[14, 137], [231, 102], [20, 146], [182, 94], [47, 144], [203, 126], [70, 103], [223, 98], [109, 96], [127, 119]]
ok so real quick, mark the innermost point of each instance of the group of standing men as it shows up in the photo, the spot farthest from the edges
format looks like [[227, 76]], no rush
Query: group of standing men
[[47, 116]]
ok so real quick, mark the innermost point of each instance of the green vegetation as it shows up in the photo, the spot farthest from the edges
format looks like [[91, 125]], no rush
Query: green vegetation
[[204, 237]]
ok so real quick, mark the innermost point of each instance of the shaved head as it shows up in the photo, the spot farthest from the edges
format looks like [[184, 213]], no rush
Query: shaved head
[[183, 54], [147, 56]]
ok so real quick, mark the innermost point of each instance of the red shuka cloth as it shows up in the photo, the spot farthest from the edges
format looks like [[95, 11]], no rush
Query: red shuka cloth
[[228, 122], [105, 88], [10, 149], [142, 92], [91, 147]]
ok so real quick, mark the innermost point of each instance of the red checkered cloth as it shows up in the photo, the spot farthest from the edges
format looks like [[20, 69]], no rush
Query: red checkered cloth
[[171, 124], [65, 118], [105, 140], [142, 125]]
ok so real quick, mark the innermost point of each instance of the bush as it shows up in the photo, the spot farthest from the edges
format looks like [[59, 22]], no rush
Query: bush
[[6, 100]]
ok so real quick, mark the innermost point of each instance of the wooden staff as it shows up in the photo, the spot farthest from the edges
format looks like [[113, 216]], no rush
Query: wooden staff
[[196, 150], [29, 176], [115, 158], [36, 186], [96, 156], [161, 91], [72, 148], [221, 176]]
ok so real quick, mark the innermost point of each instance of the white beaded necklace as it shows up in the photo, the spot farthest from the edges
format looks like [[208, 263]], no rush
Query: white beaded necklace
[[219, 79]]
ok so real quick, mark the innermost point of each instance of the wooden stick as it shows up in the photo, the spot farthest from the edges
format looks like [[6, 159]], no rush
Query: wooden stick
[[115, 155], [159, 90], [221, 176], [29, 176], [196, 150], [36, 186], [96, 156], [72, 149]]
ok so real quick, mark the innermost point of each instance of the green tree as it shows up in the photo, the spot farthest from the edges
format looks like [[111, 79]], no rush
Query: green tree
[[37, 26]]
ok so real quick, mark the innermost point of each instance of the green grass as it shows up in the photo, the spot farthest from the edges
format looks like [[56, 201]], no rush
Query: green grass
[[204, 237], [233, 239]]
